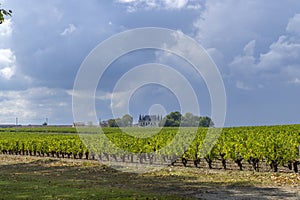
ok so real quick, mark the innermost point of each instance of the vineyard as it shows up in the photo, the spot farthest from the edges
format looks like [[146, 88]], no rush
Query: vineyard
[[274, 145]]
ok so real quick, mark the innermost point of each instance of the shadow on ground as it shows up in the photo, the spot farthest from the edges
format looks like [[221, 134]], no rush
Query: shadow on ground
[[55, 179]]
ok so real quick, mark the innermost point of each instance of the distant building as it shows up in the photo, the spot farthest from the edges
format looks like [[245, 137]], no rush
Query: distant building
[[7, 125], [149, 120], [77, 124], [104, 123]]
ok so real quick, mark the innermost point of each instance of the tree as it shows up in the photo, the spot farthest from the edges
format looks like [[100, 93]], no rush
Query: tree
[[175, 119], [206, 122], [4, 13], [112, 123], [171, 120], [190, 120], [127, 120]]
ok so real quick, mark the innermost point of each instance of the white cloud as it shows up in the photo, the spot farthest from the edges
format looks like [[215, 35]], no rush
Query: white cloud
[[282, 53], [293, 25], [219, 25], [69, 30], [175, 4], [295, 81], [6, 56], [241, 85], [127, 1], [13, 104], [7, 63], [244, 63], [34, 104], [291, 74], [7, 72], [63, 104], [133, 5], [249, 48], [281, 63], [6, 28], [194, 7], [104, 95], [228, 25]]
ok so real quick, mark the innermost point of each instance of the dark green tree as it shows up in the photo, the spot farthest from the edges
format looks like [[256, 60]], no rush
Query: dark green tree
[[171, 120], [112, 123], [206, 122], [175, 119], [4, 13]]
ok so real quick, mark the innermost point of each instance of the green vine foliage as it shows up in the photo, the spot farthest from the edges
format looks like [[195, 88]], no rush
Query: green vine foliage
[[274, 145]]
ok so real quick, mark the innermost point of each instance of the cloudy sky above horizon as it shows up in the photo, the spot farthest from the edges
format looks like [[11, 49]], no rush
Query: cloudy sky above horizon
[[255, 44]]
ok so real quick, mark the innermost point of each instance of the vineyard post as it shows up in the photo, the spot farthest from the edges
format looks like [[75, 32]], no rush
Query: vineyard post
[[46, 125], [16, 124]]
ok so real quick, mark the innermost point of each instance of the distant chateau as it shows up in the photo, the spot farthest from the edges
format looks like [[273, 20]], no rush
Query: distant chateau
[[149, 120]]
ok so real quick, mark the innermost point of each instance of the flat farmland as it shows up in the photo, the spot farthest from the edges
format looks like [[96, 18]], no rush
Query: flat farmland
[[55, 163]]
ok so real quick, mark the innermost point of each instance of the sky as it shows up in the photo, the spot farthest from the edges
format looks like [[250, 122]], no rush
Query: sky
[[255, 45]]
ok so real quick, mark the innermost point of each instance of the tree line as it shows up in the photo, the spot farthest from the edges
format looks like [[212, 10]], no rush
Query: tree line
[[125, 121], [176, 119], [173, 119]]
